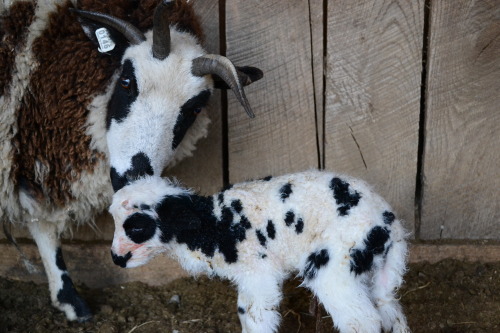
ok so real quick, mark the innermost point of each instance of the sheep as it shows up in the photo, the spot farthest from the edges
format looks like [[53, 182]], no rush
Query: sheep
[[90, 102], [339, 235]]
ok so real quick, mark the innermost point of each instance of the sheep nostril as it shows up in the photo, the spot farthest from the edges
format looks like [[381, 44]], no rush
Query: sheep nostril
[[121, 260]]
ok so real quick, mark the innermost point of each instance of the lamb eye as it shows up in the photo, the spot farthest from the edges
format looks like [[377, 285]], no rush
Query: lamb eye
[[197, 110], [125, 82]]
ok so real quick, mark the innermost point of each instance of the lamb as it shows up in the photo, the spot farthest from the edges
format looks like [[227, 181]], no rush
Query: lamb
[[339, 235], [86, 111]]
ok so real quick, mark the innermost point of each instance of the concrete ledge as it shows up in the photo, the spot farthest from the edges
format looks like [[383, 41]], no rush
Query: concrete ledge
[[90, 263]]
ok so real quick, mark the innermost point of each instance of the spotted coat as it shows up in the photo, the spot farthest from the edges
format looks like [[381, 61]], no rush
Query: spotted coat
[[333, 230]]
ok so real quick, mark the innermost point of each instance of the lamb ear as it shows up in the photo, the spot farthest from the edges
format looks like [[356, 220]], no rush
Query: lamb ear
[[110, 34]]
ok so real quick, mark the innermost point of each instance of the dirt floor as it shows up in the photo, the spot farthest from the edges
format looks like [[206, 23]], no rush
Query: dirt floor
[[449, 296]]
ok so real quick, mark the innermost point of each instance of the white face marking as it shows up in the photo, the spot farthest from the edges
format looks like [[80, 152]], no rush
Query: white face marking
[[163, 86]]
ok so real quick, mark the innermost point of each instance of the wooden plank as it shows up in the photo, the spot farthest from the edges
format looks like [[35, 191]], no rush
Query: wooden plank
[[203, 171], [462, 160], [274, 36], [373, 95], [84, 259], [317, 14]]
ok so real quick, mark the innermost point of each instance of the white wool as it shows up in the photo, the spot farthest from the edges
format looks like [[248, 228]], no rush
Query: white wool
[[360, 302]]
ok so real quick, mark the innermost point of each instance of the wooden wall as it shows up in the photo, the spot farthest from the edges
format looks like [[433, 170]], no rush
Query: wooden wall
[[403, 93]]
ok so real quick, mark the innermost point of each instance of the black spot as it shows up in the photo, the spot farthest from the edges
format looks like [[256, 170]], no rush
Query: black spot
[[190, 220], [68, 295], [220, 198], [121, 260], [141, 166], [139, 227], [245, 222], [314, 262], [299, 226], [267, 178], [145, 207], [285, 191], [59, 260], [122, 98], [187, 115], [388, 217], [362, 259], [344, 198], [387, 250], [227, 215], [241, 310], [271, 231], [117, 181], [289, 218], [261, 237], [263, 255], [237, 206]]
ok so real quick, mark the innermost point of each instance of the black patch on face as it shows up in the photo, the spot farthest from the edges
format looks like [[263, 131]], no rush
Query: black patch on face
[[141, 166], [121, 260], [345, 200], [388, 217], [267, 178], [285, 191], [59, 260], [299, 226], [237, 206], [362, 259], [271, 230], [190, 220], [289, 218], [260, 236], [187, 115], [314, 262], [139, 227], [124, 95], [68, 295], [241, 310], [117, 181]]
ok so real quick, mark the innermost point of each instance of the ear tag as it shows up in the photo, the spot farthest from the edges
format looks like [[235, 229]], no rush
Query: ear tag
[[106, 44]]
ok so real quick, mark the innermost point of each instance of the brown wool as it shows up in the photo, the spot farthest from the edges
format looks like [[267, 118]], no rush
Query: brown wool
[[53, 113], [13, 26]]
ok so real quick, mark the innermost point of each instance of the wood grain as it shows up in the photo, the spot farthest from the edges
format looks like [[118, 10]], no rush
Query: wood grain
[[203, 171], [274, 36], [372, 95], [316, 13], [462, 144]]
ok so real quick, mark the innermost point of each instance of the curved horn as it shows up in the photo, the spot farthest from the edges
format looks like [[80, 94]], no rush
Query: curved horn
[[129, 31], [161, 30], [224, 68]]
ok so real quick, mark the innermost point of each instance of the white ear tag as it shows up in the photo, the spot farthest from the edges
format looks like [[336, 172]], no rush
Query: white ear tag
[[106, 44]]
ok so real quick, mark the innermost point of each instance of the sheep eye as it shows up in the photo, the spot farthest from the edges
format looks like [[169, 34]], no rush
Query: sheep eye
[[125, 82], [197, 110]]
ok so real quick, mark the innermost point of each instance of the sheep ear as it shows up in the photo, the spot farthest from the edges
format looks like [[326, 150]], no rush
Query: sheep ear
[[110, 34], [246, 74]]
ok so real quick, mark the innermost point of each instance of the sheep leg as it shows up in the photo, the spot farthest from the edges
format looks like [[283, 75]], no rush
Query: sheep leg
[[345, 298], [385, 281], [258, 300], [62, 291]]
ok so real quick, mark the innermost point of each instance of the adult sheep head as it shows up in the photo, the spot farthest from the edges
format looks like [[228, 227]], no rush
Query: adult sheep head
[[166, 80]]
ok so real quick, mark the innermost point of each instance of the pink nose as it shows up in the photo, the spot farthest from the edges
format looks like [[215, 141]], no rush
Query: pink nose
[[121, 260]]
